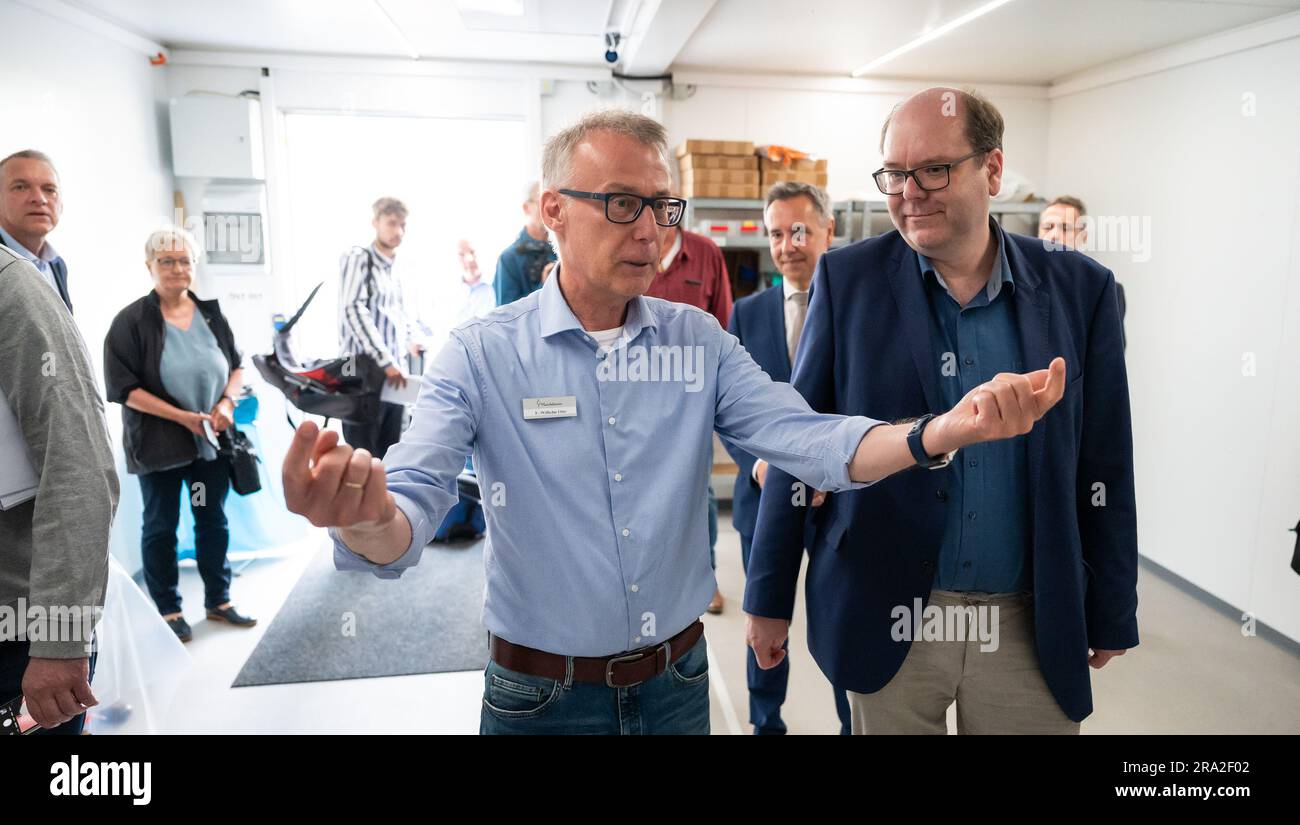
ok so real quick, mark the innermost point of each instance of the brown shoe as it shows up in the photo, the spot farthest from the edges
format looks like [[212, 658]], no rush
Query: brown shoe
[[715, 606]]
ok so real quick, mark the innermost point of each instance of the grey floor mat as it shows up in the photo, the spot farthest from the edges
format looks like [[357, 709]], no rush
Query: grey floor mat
[[428, 621]]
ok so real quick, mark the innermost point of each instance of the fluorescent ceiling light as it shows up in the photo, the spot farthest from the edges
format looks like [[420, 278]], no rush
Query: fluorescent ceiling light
[[933, 34], [502, 8], [407, 46]]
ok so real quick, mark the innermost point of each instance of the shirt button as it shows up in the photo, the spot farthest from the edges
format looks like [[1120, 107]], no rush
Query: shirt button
[[626, 532], [618, 476], [974, 462], [965, 564], [611, 420], [942, 495], [971, 515], [969, 361], [636, 588]]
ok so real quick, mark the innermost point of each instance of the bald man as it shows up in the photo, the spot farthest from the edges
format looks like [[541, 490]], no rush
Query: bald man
[[995, 578]]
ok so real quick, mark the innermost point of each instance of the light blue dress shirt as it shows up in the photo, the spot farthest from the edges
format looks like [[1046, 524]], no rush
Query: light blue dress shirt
[[41, 261], [597, 536]]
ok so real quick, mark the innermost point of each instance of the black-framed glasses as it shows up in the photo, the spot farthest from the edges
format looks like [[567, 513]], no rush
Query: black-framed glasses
[[931, 178], [625, 207]]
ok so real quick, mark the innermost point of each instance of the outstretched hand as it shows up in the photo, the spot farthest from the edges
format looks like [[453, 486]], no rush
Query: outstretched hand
[[1005, 407], [334, 485]]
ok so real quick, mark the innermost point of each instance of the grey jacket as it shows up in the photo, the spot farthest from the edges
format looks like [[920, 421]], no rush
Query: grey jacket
[[53, 548]]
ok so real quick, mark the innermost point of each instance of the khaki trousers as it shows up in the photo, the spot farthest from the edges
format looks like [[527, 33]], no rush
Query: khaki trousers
[[996, 691]]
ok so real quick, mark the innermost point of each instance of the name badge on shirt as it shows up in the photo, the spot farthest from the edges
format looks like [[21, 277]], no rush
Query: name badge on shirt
[[556, 406]]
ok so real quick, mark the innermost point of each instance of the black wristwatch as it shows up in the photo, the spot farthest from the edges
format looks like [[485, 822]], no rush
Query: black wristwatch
[[918, 452]]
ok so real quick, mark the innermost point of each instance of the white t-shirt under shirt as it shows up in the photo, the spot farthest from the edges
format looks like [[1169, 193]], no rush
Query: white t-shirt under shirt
[[606, 338]]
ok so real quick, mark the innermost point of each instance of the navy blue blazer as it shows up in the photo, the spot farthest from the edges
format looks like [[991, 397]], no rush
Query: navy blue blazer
[[60, 270], [866, 350], [758, 321]]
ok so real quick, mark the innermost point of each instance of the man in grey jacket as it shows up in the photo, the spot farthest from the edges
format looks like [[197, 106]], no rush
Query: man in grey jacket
[[53, 546]]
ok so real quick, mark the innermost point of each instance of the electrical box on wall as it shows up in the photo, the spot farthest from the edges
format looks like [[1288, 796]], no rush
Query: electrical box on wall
[[217, 136]]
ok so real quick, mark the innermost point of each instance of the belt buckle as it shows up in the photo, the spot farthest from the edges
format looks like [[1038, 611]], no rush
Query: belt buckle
[[609, 668], [636, 657]]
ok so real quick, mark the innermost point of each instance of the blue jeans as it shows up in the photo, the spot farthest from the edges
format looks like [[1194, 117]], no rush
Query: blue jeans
[[162, 492], [767, 687], [674, 702]]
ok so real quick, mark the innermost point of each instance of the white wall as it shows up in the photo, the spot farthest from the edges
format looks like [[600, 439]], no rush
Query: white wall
[[97, 109], [1216, 450]]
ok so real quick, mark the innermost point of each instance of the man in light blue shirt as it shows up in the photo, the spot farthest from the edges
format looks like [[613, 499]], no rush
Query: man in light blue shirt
[[588, 409]]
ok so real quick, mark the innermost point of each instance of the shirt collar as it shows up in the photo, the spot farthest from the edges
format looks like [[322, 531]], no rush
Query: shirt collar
[[47, 251], [787, 289], [1001, 268], [383, 259], [557, 317]]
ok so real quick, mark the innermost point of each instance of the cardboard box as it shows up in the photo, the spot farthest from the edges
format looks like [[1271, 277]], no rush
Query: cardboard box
[[749, 191], [716, 147], [781, 176], [694, 161], [802, 165], [695, 176]]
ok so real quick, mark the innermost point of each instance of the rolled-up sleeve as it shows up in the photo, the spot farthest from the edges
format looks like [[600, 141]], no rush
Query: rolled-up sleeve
[[773, 421], [422, 468]]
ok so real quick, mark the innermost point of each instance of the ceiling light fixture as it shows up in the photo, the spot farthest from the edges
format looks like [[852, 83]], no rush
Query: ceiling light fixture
[[933, 34]]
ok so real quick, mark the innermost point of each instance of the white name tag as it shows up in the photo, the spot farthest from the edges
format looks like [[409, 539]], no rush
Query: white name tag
[[556, 406]]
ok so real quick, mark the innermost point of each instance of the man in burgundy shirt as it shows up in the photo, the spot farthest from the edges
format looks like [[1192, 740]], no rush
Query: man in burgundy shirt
[[692, 271]]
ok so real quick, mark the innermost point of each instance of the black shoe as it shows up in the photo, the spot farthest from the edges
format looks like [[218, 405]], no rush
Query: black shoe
[[181, 628], [231, 615]]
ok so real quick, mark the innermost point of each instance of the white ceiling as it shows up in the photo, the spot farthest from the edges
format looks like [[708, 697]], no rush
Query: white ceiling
[[1025, 41], [552, 31]]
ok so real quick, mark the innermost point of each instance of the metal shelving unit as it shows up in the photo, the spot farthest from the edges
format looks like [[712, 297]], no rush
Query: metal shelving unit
[[844, 212], [854, 217]]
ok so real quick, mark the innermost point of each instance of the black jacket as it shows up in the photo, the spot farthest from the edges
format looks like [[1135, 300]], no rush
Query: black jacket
[[133, 358]]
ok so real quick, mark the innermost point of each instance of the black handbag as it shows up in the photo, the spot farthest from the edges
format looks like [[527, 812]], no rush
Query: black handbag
[[239, 451]]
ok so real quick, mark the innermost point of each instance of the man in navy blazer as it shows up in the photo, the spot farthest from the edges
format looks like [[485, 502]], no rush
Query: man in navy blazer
[[1034, 539], [30, 208], [800, 228]]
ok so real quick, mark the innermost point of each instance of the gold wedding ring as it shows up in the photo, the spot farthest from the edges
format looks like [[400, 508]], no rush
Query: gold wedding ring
[[353, 485]]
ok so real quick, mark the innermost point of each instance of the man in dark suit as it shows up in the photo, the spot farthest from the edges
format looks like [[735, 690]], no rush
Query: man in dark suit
[[1064, 223], [1033, 538], [800, 228], [30, 208]]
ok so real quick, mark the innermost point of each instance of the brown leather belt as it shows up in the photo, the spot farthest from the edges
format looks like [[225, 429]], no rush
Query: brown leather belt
[[620, 670]]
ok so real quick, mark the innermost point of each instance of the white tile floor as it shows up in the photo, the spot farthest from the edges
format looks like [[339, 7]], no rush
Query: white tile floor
[[1194, 673]]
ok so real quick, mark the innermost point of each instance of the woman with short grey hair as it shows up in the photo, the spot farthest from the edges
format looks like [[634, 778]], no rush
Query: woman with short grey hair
[[170, 360]]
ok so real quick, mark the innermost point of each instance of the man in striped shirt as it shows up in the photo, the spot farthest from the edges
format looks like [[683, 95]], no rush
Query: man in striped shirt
[[373, 320]]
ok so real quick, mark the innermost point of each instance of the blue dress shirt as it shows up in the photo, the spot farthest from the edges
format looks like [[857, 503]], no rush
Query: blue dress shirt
[[597, 536], [986, 540]]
